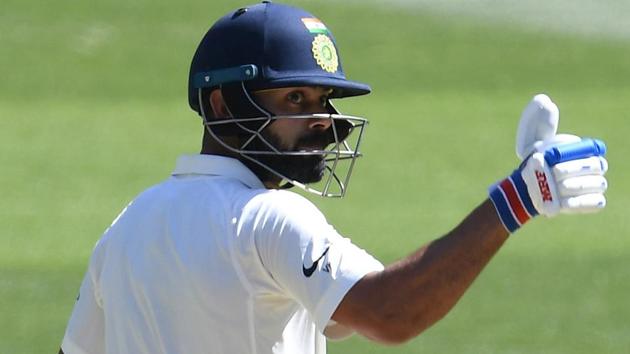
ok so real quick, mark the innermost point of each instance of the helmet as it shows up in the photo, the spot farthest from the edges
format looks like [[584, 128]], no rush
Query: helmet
[[266, 46]]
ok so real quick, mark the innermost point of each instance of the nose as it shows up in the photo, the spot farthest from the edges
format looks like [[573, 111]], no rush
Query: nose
[[320, 123]]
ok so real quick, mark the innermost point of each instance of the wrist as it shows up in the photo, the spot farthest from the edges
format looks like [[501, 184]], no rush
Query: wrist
[[512, 201]]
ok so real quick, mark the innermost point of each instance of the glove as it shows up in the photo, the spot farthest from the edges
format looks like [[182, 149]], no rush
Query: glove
[[559, 173]]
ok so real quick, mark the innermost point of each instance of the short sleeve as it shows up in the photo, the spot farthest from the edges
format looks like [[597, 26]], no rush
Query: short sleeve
[[85, 332], [305, 255]]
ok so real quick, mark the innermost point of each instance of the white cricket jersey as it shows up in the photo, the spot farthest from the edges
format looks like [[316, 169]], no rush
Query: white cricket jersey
[[209, 261]]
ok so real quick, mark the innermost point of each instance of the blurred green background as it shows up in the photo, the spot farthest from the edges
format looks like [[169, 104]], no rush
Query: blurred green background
[[93, 109]]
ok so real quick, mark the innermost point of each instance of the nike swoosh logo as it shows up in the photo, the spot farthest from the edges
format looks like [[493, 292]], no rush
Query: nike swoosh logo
[[310, 270]]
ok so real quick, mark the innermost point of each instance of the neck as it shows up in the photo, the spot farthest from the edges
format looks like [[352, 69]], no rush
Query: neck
[[212, 147]]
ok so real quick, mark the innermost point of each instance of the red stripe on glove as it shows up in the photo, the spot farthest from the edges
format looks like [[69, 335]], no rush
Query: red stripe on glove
[[515, 202]]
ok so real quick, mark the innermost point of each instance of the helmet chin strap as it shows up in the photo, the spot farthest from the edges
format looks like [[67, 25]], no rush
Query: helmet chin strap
[[287, 185]]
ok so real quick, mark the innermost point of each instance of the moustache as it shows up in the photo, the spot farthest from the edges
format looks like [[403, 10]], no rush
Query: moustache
[[316, 140]]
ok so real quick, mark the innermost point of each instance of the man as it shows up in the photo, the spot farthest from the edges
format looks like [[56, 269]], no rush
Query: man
[[219, 258]]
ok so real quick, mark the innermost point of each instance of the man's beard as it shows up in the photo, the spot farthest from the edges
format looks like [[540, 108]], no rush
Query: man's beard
[[302, 168]]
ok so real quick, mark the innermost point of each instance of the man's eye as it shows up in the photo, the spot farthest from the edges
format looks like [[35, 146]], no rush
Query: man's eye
[[295, 97]]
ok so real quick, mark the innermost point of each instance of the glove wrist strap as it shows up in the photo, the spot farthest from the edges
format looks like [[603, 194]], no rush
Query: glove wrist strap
[[512, 202]]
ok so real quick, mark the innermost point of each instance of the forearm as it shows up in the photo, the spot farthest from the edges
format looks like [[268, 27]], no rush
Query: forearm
[[559, 173], [415, 292]]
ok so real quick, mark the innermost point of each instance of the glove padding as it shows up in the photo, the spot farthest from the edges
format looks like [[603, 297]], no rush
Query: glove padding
[[557, 175], [571, 187]]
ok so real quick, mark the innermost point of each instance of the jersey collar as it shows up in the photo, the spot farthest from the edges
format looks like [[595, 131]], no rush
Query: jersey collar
[[216, 165]]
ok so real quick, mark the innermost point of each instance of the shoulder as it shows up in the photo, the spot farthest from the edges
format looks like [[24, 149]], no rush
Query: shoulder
[[282, 214], [285, 205]]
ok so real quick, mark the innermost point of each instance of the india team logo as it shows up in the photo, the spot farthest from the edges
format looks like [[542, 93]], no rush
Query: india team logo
[[325, 53]]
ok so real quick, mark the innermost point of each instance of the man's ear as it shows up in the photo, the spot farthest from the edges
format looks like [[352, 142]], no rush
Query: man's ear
[[217, 103]]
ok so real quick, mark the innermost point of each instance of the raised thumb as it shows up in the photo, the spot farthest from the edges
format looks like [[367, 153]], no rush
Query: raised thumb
[[539, 121]]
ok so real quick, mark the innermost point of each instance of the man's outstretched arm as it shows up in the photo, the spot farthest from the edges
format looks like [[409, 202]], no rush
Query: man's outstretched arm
[[410, 295], [560, 173]]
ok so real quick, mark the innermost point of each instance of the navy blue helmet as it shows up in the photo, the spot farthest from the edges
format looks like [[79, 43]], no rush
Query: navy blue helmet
[[268, 46]]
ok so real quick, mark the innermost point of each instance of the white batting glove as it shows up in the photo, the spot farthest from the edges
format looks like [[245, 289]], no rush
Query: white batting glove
[[559, 173]]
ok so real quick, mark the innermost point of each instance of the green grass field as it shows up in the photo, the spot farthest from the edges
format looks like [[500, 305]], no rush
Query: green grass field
[[93, 110]]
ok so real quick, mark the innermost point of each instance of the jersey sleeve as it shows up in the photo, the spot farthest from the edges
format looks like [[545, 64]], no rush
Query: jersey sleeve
[[85, 332], [306, 256]]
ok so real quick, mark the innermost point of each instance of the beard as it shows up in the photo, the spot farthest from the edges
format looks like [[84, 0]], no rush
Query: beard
[[302, 168]]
